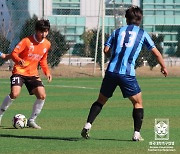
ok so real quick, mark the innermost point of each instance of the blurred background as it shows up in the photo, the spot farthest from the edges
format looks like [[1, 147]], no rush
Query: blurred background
[[80, 27]]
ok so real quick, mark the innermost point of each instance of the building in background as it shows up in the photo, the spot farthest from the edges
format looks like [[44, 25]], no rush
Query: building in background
[[162, 17], [5, 20], [73, 17], [66, 17], [14, 13]]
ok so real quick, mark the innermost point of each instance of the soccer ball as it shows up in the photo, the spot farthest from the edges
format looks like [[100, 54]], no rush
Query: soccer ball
[[19, 121]]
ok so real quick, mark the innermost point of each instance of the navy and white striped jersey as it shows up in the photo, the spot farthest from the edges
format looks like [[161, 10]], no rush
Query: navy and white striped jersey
[[126, 43]]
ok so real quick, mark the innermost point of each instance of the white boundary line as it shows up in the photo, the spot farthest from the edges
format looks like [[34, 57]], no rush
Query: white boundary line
[[5, 82], [62, 86]]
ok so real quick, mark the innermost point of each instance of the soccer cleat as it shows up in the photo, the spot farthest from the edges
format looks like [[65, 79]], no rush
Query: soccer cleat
[[137, 136], [85, 133], [32, 124]]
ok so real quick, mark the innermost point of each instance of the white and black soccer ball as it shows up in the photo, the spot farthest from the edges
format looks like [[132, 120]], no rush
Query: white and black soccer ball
[[19, 121]]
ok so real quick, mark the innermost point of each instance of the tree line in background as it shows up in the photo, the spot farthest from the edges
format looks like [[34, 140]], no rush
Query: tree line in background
[[146, 55], [4, 47], [60, 45], [88, 48], [177, 53]]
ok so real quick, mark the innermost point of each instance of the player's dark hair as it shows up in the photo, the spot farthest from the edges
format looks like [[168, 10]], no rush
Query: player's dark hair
[[42, 25], [134, 15]]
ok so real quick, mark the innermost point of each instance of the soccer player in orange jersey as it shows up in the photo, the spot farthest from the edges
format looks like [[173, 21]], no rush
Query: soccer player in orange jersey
[[30, 52]]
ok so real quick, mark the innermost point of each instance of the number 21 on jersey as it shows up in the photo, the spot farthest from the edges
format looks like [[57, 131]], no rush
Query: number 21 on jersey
[[132, 37]]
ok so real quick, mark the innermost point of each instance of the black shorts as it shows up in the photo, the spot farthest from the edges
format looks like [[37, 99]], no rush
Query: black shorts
[[31, 82], [128, 85]]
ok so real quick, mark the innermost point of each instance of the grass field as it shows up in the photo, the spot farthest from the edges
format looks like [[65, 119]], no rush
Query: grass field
[[66, 109]]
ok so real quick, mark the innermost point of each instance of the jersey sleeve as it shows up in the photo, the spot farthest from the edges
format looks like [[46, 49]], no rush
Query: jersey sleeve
[[148, 41], [43, 63], [17, 50], [110, 40]]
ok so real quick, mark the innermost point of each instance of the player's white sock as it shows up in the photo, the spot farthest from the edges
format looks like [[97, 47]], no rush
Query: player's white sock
[[87, 126], [5, 104], [136, 133], [38, 105]]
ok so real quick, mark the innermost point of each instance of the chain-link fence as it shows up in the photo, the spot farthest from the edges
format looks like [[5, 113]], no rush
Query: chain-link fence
[[76, 31]]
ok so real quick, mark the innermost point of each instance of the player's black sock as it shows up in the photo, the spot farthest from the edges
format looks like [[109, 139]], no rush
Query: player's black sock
[[138, 115], [94, 111]]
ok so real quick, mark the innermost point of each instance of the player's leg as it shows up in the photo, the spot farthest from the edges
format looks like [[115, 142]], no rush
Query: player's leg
[[130, 89], [96, 108], [39, 102], [107, 88], [138, 114], [16, 84], [38, 90], [93, 113]]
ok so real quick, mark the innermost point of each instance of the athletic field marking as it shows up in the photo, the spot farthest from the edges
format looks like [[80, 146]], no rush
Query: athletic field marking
[[64, 86], [61, 86], [5, 82]]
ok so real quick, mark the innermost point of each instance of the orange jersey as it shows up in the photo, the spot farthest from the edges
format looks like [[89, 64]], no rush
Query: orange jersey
[[33, 53]]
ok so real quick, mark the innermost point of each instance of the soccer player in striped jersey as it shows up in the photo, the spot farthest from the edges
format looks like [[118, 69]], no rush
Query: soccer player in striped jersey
[[30, 52], [125, 45]]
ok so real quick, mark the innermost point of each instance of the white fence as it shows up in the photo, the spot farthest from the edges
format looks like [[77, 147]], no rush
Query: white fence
[[172, 61], [76, 61], [82, 61]]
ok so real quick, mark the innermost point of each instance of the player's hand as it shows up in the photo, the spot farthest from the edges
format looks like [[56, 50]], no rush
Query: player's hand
[[3, 56], [21, 63], [7, 56], [164, 71], [49, 78]]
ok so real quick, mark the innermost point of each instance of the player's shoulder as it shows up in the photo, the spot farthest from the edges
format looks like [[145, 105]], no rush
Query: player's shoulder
[[145, 33], [46, 41], [26, 39]]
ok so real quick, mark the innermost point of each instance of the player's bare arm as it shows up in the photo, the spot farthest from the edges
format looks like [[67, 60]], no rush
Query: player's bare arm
[[107, 51], [5, 56], [160, 60], [49, 77]]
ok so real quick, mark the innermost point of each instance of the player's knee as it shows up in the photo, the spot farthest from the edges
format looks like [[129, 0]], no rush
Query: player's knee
[[14, 95], [137, 103], [102, 99], [42, 96]]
